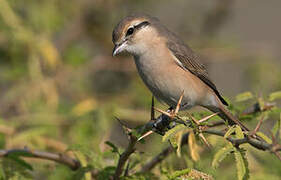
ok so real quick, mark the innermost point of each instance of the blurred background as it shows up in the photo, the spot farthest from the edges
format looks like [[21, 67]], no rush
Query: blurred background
[[60, 87]]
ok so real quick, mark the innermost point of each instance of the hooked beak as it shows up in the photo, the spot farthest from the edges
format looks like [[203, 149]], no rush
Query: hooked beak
[[118, 48]]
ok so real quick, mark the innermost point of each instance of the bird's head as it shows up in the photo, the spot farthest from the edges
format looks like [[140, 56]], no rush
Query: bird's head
[[133, 34]]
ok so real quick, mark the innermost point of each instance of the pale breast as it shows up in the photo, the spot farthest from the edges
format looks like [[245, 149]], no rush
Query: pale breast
[[166, 80]]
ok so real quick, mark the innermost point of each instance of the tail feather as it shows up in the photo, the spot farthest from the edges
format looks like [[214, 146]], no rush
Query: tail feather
[[227, 116]]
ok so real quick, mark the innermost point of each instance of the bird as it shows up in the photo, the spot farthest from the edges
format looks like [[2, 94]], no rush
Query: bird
[[168, 66]]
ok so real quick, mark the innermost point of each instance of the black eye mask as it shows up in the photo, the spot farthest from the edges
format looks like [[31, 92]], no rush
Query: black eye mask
[[141, 25], [131, 30]]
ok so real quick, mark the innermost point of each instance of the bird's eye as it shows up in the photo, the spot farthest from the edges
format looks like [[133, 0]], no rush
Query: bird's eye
[[130, 31]]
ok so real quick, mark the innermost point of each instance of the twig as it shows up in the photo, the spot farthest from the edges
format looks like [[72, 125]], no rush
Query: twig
[[128, 151], [162, 155], [157, 159], [275, 147], [126, 173], [215, 124], [125, 156], [236, 142], [257, 108], [59, 158], [257, 127]]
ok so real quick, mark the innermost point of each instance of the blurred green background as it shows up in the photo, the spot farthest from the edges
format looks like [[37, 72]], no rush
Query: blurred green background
[[60, 88]]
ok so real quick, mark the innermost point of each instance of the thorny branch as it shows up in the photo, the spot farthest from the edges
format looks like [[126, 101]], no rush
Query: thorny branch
[[274, 148], [74, 164], [249, 138]]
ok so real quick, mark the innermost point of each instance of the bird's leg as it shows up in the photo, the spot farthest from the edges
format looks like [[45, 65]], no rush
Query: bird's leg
[[159, 125], [162, 123]]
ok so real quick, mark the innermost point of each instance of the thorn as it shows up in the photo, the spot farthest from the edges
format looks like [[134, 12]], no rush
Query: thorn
[[277, 155], [179, 103], [206, 118], [205, 140], [163, 112], [274, 141], [152, 111], [124, 126], [145, 135], [257, 127], [193, 119]]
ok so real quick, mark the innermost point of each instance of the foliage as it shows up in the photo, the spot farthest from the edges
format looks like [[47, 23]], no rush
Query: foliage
[[221, 154], [60, 90], [241, 164]]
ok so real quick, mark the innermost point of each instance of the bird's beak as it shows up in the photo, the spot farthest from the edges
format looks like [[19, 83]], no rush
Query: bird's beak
[[118, 48], [114, 52]]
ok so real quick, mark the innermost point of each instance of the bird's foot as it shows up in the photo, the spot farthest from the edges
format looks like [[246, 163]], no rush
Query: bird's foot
[[165, 121]]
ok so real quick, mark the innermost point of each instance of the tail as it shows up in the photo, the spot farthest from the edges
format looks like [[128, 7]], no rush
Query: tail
[[227, 116]]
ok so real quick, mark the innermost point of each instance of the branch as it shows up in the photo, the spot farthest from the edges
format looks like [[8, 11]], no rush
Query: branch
[[249, 138], [261, 145], [59, 158], [162, 155], [257, 108], [236, 142], [126, 154], [157, 159]]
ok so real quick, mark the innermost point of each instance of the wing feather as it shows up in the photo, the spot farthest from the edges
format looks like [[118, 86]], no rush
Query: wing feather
[[191, 62]]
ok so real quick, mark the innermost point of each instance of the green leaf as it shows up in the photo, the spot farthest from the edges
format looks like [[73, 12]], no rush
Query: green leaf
[[114, 148], [277, 128], [172, 132], [179, 173], [239, 133], [174, 142], [12, 168], [106, 173], [83, 160], [2, 173], [241, 164], [275, 95], [20, 161], [193, 147], [80, 173], [230, 131], [179, 139], [244, 96], [221, 154], [264, 137], [261, 103]]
